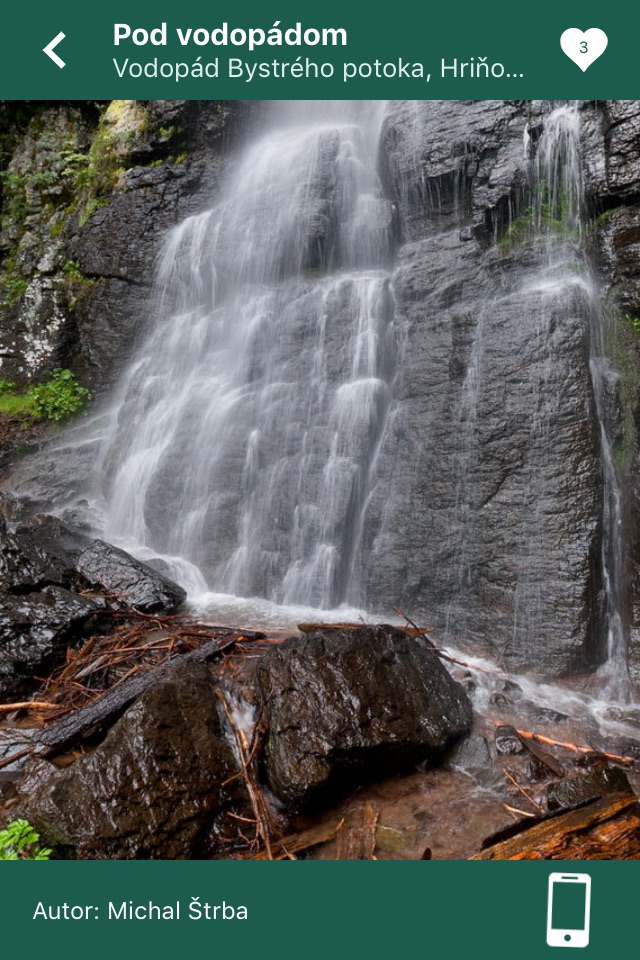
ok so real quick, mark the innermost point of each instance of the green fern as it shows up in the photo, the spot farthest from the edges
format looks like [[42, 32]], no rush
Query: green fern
[[19, 841]]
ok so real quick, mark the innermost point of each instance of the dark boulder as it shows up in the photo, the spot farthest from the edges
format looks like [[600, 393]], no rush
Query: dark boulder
[[353, 704], [35, 630], [32, 558], [597, 783], [136, 584], [155, 788], [55, 537]]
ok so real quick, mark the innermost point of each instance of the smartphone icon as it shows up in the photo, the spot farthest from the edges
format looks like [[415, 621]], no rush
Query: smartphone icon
[[568, 910]]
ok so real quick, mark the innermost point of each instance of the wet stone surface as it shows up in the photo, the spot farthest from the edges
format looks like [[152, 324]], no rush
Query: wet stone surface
[[348, 706], [131, 582], [154, 789]]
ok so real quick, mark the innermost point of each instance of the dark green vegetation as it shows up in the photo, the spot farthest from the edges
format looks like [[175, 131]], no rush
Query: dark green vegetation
[[57, 398], [19, 841]]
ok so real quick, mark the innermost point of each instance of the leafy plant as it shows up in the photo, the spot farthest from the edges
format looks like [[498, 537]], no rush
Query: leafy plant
[[59, 397], [634, 323], [71, 270], [19, 841], [167, 133], [14, 287]]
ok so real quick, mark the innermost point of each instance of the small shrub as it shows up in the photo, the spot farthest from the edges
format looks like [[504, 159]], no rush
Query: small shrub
[[19, 841], [59, 397]]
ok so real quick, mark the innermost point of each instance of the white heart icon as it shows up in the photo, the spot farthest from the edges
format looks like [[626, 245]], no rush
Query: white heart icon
[[584, 48]]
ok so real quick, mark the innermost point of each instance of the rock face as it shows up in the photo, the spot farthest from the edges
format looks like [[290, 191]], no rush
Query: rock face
[[154, 789], [35, 630], [612, 147], [485, 517], [38, 553], [354, 704], [484, 491], [91, 187], [132, 582], [43, 563]]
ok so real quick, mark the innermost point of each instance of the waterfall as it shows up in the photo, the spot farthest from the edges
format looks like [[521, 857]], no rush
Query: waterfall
[[340, 401], [559, 205], [251, 420]]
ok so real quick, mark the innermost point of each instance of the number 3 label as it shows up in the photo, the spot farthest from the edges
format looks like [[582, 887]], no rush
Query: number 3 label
[[583, 47]]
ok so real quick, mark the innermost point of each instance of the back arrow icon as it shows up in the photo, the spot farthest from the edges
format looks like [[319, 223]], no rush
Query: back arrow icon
[[49, 50]]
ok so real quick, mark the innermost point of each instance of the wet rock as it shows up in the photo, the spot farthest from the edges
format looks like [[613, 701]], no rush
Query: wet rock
[[37, 771], [56, 538], [473, 755], [154, 788], [514, 580], [13, 742], [27, 565], [500, 702], [508, 740], [632, 717], [132, 582], [577, 790], [348, 705], [35, 630]]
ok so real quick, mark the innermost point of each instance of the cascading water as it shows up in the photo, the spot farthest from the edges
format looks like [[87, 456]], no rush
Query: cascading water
[[559, 207], [258, 432], [251, 421]]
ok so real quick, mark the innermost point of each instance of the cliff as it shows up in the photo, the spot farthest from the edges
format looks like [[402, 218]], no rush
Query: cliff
[[88, 193]]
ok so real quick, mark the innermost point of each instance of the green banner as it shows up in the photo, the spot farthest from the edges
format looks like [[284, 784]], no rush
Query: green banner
[[334, 51], [316, 910]]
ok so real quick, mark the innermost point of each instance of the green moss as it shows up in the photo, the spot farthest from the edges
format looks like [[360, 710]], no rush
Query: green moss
[[168, 133], [56, 229], [175, 160], [92, 205], [17, 405], [13, 288], [602, 219], [518, 232]]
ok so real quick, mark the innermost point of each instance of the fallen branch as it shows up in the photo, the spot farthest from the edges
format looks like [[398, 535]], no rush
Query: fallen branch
[[247, 772], [102, 713], [16, 756], [574, 747], [28, 705], [298, 842], [524, 793]]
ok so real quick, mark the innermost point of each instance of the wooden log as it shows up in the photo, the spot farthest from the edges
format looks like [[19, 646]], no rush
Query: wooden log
[[608, 829], [356, 837], [286, 847], [98, 716]]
